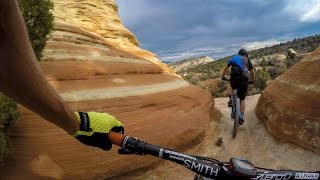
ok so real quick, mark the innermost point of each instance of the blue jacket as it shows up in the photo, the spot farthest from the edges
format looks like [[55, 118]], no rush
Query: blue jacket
[[240, 66]]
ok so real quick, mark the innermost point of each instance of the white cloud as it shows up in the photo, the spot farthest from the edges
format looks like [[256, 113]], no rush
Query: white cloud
[[200, 29], [304, 11], [135, 12], [184, 54], [260, 44]]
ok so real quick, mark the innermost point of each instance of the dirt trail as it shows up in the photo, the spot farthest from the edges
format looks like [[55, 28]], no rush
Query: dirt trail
[[253, 142]]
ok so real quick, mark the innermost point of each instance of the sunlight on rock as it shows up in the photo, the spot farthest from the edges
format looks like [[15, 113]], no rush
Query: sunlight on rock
[[44, 166]]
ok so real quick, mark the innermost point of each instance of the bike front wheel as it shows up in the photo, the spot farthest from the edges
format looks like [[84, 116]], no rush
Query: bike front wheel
[[236, 119]]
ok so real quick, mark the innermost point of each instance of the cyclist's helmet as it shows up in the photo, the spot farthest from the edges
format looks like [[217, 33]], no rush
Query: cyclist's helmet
[[243, 52]]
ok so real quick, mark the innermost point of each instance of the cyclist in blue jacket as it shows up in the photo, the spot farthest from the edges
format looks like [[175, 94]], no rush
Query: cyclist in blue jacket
[[241, 69]]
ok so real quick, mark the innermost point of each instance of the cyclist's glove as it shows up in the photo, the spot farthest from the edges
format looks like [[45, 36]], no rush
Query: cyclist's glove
[[94, 129]]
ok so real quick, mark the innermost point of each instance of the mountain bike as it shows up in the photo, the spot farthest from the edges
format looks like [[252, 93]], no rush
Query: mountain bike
[[207, 168], [235, 110]]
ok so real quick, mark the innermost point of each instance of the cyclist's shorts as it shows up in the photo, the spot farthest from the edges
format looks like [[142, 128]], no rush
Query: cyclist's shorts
[[241, 84]]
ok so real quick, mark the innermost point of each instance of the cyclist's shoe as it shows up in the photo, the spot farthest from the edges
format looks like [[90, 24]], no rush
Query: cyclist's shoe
[[230, 103], [241, 120]]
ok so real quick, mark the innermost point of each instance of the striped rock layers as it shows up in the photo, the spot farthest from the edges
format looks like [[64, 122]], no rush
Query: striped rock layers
[[95, 64], [290, 105]]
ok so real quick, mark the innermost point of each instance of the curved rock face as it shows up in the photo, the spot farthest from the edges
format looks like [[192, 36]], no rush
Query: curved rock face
[[290, 105], [94, 63], [100, 18]]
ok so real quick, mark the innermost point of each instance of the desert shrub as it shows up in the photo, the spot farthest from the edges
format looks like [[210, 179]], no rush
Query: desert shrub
[[264, 62], [217, 94], [271, 62], [5, 147], [273, 71], [278, 69], [8, 115], [38, 18], [194, 80], [219, 91], [261, 79]]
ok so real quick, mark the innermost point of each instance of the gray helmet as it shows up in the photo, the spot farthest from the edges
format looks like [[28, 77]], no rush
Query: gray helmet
[[243, 52]]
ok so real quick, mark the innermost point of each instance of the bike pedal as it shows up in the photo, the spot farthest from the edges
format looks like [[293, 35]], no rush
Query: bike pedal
[[233, 115]]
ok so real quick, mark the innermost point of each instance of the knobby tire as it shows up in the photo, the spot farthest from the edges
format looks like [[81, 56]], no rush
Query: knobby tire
[[236, 119]]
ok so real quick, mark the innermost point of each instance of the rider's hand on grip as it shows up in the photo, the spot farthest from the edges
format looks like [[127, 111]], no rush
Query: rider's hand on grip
[[94, 129]]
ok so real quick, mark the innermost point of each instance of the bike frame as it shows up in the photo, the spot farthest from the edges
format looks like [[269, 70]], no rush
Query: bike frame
[[200, 165]]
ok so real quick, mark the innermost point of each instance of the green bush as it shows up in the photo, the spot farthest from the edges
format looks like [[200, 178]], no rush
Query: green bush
[[264, 62], [38, 17], [8, 115], [5, 147], [261, 79]]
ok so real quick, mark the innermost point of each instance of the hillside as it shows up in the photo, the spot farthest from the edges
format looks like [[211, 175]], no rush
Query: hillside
[[189, 63], [269, 62]]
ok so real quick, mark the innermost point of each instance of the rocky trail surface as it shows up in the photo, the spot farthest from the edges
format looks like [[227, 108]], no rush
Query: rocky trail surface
[[253, 142]]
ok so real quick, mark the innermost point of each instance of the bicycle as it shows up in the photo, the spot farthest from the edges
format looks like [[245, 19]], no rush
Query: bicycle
[[235, 110], [207, 168]]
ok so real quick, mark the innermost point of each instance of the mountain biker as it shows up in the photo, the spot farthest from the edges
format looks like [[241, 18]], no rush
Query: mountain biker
[[22, 80], [241, 68]]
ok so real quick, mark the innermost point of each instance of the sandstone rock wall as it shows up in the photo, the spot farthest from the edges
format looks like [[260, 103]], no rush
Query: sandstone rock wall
[[99, 19], [95, 63], [290, 105]]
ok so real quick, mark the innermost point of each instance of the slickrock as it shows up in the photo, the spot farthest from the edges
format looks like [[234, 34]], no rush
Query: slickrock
[[290, 105], [95, 64]]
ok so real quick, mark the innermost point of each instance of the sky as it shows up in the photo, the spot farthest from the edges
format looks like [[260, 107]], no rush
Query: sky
[[176, 30]]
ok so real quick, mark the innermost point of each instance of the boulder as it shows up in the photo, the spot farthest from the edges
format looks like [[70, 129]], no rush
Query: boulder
[[290, 105]]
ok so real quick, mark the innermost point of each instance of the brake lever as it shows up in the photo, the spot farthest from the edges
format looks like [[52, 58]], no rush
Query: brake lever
[[125, 151], [135, 146], [227, 171]]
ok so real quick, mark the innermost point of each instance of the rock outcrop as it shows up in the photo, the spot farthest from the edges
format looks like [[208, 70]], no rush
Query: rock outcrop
[[270, 59], [100, 18], [190, 63], [95, 63], [290, 105]]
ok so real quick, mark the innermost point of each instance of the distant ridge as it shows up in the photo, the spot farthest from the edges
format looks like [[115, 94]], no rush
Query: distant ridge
[[190, 63]]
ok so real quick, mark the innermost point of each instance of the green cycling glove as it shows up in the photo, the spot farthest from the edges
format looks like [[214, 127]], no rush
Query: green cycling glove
[[94, 128]]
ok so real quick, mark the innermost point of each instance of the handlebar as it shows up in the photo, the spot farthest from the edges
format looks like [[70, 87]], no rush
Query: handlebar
[[116, 138], [225, 79], [202, 166]]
